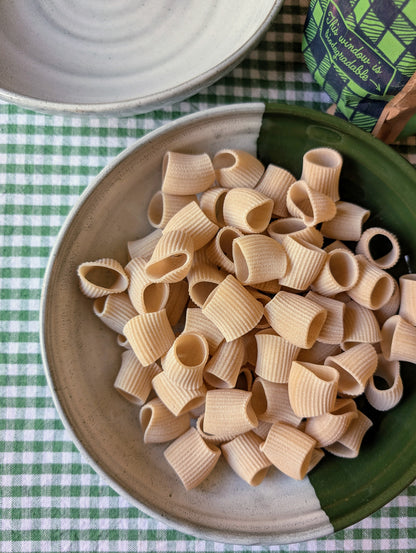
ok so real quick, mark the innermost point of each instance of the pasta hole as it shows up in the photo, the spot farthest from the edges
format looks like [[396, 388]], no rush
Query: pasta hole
[[155, 296], [379, 246], [381, 383], [259, 399], [99, 305], [201, 290], [219, 209], [258, 218], [102, 276], [224, 160], [191, 350], [324, 157], [241, 266], [158, 269], [382, 292], [145, 417], [155, 209], [315, 328], [259, 477], [226, 242], [343, 268]]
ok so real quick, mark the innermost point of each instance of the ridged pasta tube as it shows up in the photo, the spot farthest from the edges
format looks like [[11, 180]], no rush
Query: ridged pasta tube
[[349, 443], [274, 184], [374, 286], [339, 273], [177, 399], [391, 307], [297, 319], [271, 402], [289, 449], [185, 174], [321, 169], [192, 458], [248, 210], [134, 380], [101, 277], [220, 250], [355, 367], [360, 326], [244, 456], [162, 207], [145, 294], [223, 368], [150, 335], [258, 258], [192, 220], [232, 309], [196, 321], [211, 203], [347, 223], [237, 169], [388, 258], [308, 204], [229, 411], [304, 263], [398, 340], [328, 428], [203, 278], [274, 356], [143, 247], [296, 228], [114, 310], [159, 424], [312, 388], [388, 397], [172, 258], [408, 298], [185, 360], [332, 331]]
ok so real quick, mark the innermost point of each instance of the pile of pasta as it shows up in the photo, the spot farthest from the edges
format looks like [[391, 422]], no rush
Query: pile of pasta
[[243, 335]]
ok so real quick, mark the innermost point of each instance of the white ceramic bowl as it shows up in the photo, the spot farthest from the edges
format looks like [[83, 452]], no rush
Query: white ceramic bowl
[[82, 359], [123, 57]]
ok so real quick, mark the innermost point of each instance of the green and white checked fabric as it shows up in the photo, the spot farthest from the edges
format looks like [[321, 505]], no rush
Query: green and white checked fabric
[[50, 498]]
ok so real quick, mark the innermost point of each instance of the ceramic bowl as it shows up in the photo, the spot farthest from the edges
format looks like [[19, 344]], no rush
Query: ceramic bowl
[[124, 57], [81, 357]]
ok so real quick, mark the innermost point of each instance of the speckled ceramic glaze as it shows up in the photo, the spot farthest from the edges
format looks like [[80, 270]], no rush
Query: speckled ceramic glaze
[[82, 359], [121, 57]]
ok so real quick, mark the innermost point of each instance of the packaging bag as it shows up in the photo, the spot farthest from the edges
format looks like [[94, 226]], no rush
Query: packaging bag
[[363, 54]]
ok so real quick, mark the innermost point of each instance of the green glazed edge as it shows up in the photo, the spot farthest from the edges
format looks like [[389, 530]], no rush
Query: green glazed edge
[[352, 489]]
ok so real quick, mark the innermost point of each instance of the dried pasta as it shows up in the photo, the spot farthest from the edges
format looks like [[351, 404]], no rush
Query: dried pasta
[[134, 380], [258, 258], [192, 458], [114, 310], [220, 309], [102, 277], [247, 209], [385, 398], [145, 294], [321, 169], [244, 336], [162, 207], [308, 204], [296, 228], [274, 184], [244, 456], [159, 424], [237, 169], [150, 335], [185, 174]]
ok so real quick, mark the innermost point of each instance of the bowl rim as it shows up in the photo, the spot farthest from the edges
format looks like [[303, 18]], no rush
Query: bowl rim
[[182, 525], [150, 102]]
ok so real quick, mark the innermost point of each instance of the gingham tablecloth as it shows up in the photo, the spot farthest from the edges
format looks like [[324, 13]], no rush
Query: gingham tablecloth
[[50, 498]]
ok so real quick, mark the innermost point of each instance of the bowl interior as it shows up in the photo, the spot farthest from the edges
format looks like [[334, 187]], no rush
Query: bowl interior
[[123, 56], [82, 359]]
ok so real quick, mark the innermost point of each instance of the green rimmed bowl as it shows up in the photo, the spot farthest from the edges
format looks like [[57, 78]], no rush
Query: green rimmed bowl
[[81, 357]]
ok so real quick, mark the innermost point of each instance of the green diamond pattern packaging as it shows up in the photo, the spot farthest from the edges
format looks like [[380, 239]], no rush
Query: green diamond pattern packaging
[[361, 52]]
